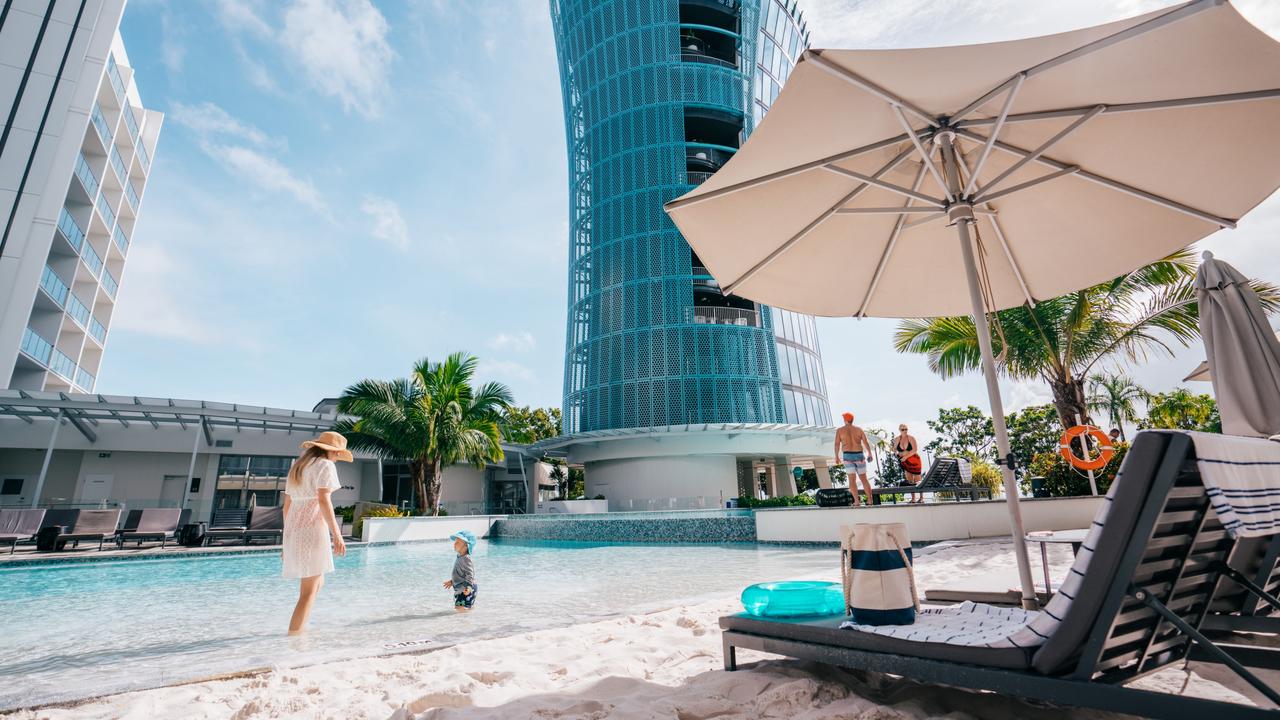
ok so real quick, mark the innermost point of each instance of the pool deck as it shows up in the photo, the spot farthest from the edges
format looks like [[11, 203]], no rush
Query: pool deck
[[27, 555]]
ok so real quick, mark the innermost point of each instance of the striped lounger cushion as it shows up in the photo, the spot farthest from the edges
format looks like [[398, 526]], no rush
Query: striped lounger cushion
[[1242, 477], [979, 624]]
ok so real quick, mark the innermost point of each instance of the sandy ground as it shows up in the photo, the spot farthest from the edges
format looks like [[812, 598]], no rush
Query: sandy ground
[[665, 664]]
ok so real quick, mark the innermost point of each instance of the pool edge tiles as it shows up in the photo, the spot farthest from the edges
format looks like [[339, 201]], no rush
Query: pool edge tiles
[[731, 528]]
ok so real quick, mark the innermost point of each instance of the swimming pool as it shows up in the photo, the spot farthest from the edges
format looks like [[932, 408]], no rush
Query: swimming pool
[[84, 629]]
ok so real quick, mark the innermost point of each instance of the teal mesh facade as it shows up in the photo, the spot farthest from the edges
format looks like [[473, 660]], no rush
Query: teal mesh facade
[[657, 94]]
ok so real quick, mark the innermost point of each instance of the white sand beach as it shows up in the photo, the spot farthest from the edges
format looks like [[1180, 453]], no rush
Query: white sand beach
[[664, 664]]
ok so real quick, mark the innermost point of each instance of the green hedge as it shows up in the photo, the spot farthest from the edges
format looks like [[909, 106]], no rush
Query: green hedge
[[784, 501], [1062, 480]]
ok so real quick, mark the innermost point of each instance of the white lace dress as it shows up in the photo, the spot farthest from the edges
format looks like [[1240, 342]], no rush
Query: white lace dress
[[307, 546]]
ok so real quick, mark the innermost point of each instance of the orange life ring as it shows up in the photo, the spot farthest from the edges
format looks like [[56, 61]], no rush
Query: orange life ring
[[1104, 445]]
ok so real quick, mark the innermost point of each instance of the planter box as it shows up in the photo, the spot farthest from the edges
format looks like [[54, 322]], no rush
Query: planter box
[[572, 507]]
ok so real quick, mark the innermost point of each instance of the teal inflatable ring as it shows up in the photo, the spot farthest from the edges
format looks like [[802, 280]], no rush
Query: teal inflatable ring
[[799, 598]]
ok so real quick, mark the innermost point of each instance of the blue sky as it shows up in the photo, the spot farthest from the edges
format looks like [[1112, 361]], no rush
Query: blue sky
[[343, 187]]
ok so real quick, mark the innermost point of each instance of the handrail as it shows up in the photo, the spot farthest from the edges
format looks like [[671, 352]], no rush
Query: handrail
[[710, 28]]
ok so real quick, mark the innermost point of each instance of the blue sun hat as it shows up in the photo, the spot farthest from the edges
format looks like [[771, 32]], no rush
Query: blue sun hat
[[467, 537]]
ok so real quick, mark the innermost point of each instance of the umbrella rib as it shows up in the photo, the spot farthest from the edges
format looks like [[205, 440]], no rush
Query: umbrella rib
[[888, 248], [1198, 101], [1108, 182], [995, 132], [858, 81], [872, 180], [784, 247], [781, 174], [988, 197], [923, 221], [963, 165], [924, 154], [886, 210], [1031, 156]]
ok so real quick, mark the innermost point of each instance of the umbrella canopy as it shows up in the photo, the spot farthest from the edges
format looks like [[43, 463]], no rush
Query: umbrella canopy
[[1244, 354], [945, 181], [1202, 374]]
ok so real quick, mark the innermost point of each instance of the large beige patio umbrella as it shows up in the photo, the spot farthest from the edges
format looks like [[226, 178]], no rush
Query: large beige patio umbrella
[[962, 180]]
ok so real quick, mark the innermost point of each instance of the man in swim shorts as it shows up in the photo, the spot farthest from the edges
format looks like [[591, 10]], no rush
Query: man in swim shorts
[[852, 450]]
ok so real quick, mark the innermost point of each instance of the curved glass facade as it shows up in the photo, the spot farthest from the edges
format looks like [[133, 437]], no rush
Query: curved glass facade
[[658, 94]]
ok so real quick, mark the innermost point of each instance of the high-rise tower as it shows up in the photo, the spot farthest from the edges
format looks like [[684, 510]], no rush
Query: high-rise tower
[[75, 155], [658, 95]]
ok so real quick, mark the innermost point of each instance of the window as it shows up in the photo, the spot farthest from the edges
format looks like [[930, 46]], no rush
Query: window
[[11, 486], [245, 480]]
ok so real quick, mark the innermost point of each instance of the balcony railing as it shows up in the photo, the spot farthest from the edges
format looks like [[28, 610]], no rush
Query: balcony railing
[[131, 195], [84, 379], [100, 124], [697, 178], [87, 178], [705, 315], [104, 207], [91, 259], [70, 230], [97, 330], [130, 122], [36, 347], [117, 163], [77, 310], [53, 285], [109, 283], [143, 157], [695, 56], [706, 157], [117, 82], [63, 365], [121, 241]]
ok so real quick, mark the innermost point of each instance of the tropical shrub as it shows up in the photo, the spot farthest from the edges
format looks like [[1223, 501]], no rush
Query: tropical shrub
[[1062, 480], [346, 511], [987, 475], [375, 511], [781, 501]]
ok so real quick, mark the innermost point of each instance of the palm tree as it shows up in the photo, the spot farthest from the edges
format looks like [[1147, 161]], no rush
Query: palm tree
[[1060, 340], [432, 419], [879, 438], [1117, 396]]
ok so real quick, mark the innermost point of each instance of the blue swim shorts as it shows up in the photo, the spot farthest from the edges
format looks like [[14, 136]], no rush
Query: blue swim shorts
[[461, 598], [855, 463]]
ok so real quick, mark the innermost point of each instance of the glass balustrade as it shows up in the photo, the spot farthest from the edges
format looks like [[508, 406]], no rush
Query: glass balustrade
[[91, 259], [36, 347], [97, 330], [84, 379], [53, 285], [104, 208], [100, 124], [70, 230], [121, 241], [63, 365], [87, 178], [130, 122], [77, 310], [117, 163], [131, 195], [110, 284], [117, 82], [144, 158]]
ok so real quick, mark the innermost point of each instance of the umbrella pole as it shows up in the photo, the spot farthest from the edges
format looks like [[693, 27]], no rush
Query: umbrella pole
[[962, 220]]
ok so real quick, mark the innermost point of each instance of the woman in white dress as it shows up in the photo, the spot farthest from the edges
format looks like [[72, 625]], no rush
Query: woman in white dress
[[309, 524]]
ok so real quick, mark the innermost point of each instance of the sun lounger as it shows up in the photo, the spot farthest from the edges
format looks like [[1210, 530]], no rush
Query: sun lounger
[[152, 524], [944, 476], [1133, 603], [19, 526], [227, 525], [266, 522], [91, 525], [1236, 606], [59, 516]]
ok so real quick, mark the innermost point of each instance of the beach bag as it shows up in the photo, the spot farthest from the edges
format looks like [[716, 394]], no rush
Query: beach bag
[[875, 567]]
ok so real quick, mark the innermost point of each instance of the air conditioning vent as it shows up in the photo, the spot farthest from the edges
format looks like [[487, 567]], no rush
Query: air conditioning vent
[[222, 443]]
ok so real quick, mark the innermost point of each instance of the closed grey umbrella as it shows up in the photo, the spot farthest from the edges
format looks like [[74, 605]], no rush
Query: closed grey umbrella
[[1244, 354]]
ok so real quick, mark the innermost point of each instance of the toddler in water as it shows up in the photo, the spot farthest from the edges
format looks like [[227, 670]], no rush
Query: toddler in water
[[463, 582]]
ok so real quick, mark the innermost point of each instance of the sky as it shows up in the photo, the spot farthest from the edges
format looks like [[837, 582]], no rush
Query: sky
[[344, 187]]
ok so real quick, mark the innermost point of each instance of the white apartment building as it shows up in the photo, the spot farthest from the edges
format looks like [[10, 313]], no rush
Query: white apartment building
[[75, 155]]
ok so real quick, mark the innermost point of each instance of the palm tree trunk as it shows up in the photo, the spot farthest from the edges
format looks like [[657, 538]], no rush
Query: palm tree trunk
[[435, 479], [1068, 400], [420, 469]]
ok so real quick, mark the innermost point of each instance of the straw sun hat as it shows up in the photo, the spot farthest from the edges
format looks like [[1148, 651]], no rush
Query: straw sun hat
[[333, 442]]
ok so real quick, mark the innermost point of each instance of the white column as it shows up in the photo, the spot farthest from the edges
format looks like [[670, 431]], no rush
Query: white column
[[785, 481], [48, 455], [824, 472], [191, 469]]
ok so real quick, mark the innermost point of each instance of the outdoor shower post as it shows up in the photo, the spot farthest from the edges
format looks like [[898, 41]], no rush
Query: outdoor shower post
[[48, 455], [961, 214]]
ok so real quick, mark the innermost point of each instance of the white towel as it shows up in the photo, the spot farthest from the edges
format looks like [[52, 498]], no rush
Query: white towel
[[1242, 477]]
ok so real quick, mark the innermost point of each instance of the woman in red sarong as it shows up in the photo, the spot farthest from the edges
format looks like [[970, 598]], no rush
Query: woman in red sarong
[[908, 452]]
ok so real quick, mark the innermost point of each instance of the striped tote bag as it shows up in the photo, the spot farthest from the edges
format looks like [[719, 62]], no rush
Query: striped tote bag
[[879, 583]]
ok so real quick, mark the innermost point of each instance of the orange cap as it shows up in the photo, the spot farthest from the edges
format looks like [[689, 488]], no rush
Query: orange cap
[[848, 417]]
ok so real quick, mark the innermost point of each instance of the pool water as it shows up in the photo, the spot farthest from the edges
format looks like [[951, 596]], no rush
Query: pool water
[[77, 630]]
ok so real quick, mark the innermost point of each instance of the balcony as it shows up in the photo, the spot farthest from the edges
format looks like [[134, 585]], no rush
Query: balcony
[[109, 283], [130, 122], [117, 163], [131, 195], [706, 157], [63, 365], [77, 310], [85, 379], [143, 158], [104, 209], [70, 230], [117, 82], [53, 286], [36, 347], [697, 177], [708, 315], [100, 124], [120, 240], [708, 45], [97, 331], [87, 179], [91, 259]]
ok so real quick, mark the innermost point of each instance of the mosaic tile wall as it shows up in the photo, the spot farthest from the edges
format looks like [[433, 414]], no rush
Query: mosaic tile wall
[[739, 528]]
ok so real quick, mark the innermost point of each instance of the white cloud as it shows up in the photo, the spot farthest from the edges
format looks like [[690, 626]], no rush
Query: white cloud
[[518, 341], [1026, 393], [504, 370], [388, 223], [243, 15], [342, 47], [207, 119], [267, 173]]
